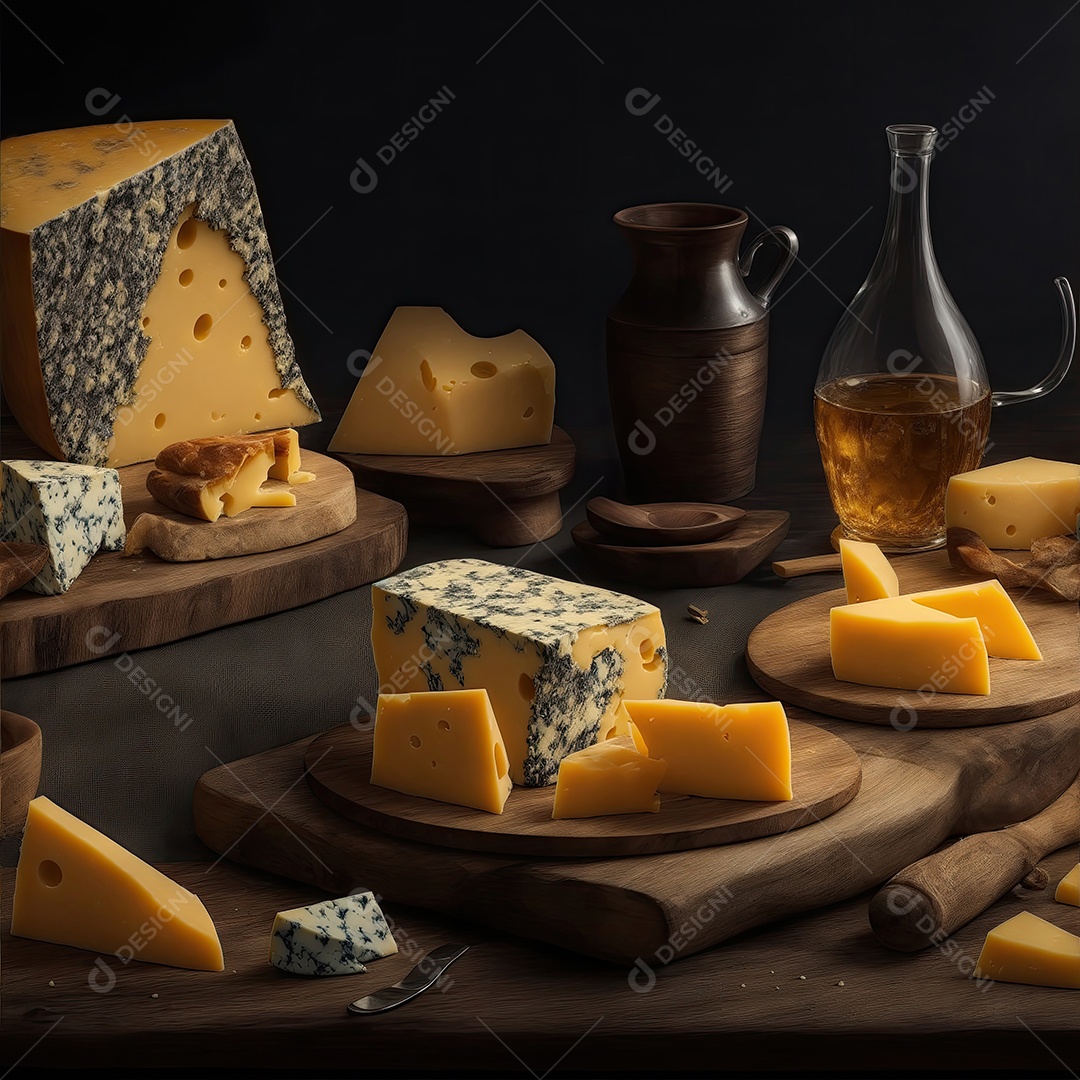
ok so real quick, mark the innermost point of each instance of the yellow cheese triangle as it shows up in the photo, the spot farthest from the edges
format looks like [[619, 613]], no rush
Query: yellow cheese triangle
[[740, 751], [868, 574], [444, 745], [1027, 949], [607, 778], [1068, 890], [1003, 627], [75, 886], [897, 642]]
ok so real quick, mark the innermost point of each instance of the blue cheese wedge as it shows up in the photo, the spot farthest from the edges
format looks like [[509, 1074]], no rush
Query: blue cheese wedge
[[73, 510], [336, 937], [556, 657]]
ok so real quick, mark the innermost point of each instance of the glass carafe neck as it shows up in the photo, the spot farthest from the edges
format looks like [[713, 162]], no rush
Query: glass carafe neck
[[907, 228]]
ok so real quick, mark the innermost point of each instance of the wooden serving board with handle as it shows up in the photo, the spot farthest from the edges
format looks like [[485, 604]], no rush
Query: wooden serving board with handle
[[788, 656], [825, 775], [918, 788]]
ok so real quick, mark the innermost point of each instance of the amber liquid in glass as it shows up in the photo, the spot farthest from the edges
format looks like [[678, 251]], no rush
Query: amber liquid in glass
[[889, 444]]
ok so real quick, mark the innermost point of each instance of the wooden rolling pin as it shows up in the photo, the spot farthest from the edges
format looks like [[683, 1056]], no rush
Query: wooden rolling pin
[[939, 894]]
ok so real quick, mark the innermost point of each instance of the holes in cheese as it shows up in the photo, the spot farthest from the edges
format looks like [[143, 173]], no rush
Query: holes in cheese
[[608, 778], [75, 886], [1030, 950], [186, 277], [1015, 502], [1068, 890], [868, 574], [432, 388], [738, 751], [442, 745]]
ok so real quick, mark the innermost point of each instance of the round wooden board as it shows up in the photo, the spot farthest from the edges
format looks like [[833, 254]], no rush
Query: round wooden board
[[504, 497], [826, 775], [788, 656]]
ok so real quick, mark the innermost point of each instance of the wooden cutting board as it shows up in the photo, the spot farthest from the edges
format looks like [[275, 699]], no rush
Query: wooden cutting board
[[918, 788], [503, 497], [788, 656], [825, 775], [120, 603]]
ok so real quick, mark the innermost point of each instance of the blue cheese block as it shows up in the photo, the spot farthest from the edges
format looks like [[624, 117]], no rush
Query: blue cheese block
[[332, 938], [73, 510], [556, 657]]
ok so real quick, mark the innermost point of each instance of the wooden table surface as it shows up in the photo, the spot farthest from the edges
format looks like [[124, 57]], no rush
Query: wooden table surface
[[768, 1001]]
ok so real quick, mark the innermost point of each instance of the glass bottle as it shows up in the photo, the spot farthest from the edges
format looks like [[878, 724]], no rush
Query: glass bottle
[[902, 400]]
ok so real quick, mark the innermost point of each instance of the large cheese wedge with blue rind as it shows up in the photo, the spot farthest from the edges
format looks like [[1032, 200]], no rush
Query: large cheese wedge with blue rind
[[898, 642], [75, 886], [737, 751], [442, 745], [1027, 949], [141, 303], [556, 657], [335, 937], [73, 510]]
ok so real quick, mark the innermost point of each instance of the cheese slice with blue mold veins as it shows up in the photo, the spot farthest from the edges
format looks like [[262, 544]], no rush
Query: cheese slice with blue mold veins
[[556, 657], [73, 510], [336, 937]]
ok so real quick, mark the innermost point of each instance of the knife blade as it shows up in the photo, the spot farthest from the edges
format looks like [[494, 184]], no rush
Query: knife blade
[[425, 974]]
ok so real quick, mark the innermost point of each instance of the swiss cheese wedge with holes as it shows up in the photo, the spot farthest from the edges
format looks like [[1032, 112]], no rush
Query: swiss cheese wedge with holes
[[75, 886]]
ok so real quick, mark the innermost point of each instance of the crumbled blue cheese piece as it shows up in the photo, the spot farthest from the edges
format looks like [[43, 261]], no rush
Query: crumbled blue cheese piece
[[73, 510], [332, 938]]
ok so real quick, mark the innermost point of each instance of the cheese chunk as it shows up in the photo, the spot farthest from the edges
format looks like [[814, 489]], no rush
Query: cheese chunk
[[1011, 504], [441, 745], [1003, 628], [608, 778], [141, 301], [900, 643], [740, 751], [1068, 890], [73, 510], [431, 388], [868, 575], [332, 938], [75, 886], [556, 657], [1027, 949]]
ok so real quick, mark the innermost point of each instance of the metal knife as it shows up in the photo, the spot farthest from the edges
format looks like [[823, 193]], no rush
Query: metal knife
[[425, 974]]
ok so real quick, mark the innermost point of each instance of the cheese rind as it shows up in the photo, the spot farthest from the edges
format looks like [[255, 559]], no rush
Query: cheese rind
[[1068, 890], [75, 886], [73, 510], [431, 388], [442, 745], [608, 778], [1027, 949], [336, 937], [868, 574], [556, 657], [142, 301], [737, 751], [1003, 628], [1015, 502], [897, 642]]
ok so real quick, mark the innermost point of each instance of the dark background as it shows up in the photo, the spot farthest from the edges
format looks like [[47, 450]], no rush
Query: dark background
[[500, 211]]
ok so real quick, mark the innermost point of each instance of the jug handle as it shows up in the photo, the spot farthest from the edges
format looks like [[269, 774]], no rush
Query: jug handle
[[788, 243], [1068, 345]]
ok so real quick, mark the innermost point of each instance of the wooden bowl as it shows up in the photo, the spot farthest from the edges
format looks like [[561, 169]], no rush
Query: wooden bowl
[[662, 523], [20, 770]]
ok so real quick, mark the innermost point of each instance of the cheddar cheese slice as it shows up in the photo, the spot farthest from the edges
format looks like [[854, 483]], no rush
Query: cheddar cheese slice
[[431, 388], [898, 642], [740, 751], [1003, 628], [608, 778], [868, 574], [1027, 949], [444, 745], [75, 886], [1015, 502], [1068, 890]]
